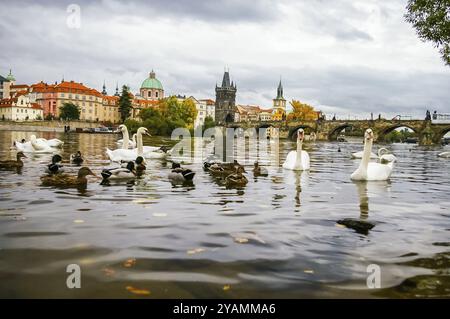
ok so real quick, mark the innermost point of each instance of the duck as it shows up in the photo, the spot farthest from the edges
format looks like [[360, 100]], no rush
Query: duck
[[77, 158], [65, 180], [140, 166], [259, 171], [298, 160], [444, 154], [8, 164], [34, 146], [120, 172], [385, 156], [236, 179], [371, 171], [222, 169], [127, 155], [55, 167], [179, 174]]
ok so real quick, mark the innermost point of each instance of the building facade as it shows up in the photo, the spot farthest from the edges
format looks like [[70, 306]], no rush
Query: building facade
[[20, 108], [225, 105], [151, 88], [5, 85]]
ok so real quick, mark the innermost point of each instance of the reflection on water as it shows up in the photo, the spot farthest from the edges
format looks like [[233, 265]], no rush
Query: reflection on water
[[276, 237]]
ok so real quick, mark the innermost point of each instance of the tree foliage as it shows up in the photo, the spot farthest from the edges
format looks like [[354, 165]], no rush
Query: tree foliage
[[302, 111], [125, 104], [69, 112], [209, 123], [431, 19], [169, 115]]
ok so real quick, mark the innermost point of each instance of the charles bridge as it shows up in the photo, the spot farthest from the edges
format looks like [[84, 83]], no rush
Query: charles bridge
[[428, 133]]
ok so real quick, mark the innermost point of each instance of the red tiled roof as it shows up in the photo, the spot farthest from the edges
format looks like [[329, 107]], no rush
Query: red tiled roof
[[19, 86]]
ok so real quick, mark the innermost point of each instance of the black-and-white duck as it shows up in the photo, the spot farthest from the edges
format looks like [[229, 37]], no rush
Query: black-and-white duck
[[76, 158], [179, 174], [55, 167], [120, 172]]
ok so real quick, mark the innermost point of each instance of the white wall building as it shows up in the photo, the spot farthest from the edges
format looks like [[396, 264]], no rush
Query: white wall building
[[20, 108]]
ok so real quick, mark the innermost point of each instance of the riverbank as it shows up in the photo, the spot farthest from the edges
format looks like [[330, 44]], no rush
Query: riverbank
[[44, 126]]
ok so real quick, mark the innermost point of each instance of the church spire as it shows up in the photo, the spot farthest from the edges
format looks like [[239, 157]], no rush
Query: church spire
[[280, 90], [117, 89], [226, 79], [104, 88]]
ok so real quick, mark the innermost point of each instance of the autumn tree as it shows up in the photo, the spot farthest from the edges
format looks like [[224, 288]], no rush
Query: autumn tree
[[302, 111], [431, 19]]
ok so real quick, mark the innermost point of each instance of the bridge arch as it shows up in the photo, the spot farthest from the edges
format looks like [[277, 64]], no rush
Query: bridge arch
[[442, 133], [383, 132], [334, 132], [308, 129]]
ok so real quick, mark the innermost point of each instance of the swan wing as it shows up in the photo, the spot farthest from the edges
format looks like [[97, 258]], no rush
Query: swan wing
[[379, 172], [305, 160], [289, 163]]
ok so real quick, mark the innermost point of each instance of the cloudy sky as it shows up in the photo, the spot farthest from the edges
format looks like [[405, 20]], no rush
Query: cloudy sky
[[349, 57]]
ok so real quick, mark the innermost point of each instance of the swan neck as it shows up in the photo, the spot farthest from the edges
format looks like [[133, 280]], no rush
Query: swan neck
[[126, 139], [140, 145], [298, 159], [366, 154]]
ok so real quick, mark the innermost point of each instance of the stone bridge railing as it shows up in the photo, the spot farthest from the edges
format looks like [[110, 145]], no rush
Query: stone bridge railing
[[427, 132]]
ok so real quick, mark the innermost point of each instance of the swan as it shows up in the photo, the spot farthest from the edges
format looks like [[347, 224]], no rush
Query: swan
[[359, 155], [132, 143], [34, 146], [298, 160], [126, 139], [444, 154], [127, 155], [371, 171], [54, 142], [386, 157]]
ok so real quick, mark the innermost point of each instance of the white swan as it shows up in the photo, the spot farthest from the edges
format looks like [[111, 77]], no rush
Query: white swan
[[54, 142], [131, 144], [444, 154], [34, 146], [122, 154], [298, 160], [371, 171], [385, 156]]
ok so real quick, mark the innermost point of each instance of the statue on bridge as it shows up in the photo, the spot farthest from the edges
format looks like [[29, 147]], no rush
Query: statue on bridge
[[428, 116]]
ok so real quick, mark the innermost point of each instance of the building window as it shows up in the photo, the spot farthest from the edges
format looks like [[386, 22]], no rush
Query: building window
[[149, 94], [156, 94]]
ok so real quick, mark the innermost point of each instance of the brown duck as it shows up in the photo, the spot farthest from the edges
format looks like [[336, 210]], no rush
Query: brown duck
[[236, 179], [13, 164], [224, 169], [65, 180]]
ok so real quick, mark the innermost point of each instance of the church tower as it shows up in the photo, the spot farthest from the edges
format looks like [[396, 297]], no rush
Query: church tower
[[225, 100], [279, 105]]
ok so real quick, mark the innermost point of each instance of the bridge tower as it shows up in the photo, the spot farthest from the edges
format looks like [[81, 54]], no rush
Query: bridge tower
[[225, 100]]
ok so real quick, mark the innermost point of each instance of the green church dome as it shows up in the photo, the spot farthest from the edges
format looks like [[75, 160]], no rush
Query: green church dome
[[152, 82], [10, 77]]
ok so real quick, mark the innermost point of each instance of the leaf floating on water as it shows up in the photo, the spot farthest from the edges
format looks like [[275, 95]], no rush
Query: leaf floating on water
[[129, 262], [339, 225], [195, 251], [138, 291], [226, 287], [159, 214], [308, 271], [78, 221], [241, 240]]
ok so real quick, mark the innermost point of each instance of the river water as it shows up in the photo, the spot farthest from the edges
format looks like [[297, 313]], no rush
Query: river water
[[277, 237]]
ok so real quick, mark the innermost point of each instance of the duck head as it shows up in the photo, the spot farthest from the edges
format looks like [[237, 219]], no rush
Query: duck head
[[85, 171], [56, 159], [20, 155], [300, 135], [175, 165], [140, 160], [256, 164]]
